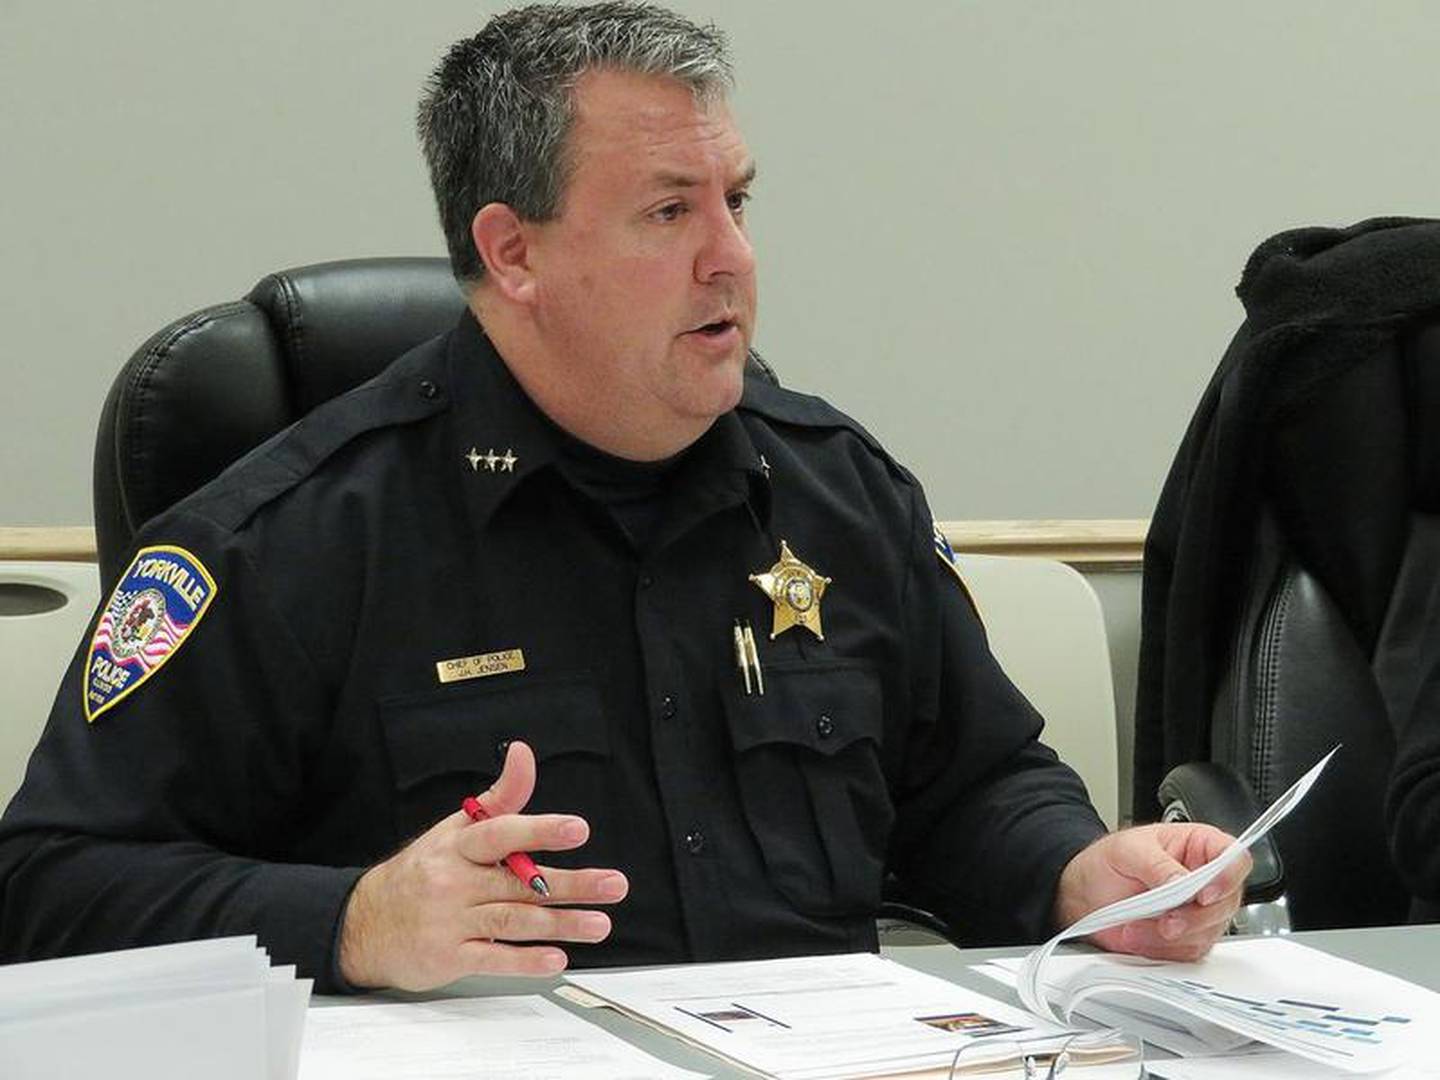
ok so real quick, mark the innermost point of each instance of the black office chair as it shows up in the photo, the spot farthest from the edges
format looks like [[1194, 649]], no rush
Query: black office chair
[[1290, 598]]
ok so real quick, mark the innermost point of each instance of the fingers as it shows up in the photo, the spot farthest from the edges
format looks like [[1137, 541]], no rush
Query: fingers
[[566, 887], [1157, 869], [1201, 843], [490, 841], [1230, 883], [496, 958], [516, 783], [1183, 934], [532, 922]]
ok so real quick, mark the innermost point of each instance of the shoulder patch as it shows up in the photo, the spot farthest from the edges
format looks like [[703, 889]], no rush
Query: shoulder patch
[[946, 555], [159, 600], [942, 544]]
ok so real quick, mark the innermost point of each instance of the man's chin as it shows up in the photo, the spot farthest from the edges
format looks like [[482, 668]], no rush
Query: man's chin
[[717, 391]]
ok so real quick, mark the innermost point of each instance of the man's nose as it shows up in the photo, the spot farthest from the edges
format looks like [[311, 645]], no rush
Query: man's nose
[[726, 249]]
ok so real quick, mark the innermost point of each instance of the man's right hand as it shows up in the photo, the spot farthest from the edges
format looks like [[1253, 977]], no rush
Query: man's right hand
[[445, 906]]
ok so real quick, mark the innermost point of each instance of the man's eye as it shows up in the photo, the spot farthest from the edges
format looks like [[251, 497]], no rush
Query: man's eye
[[737, 201], [670, 211]]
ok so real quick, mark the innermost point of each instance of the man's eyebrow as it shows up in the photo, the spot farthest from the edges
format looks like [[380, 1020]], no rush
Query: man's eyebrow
[[686, 180]]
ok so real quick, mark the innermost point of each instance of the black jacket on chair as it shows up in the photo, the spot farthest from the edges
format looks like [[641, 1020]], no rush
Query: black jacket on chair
[[1287, 565]]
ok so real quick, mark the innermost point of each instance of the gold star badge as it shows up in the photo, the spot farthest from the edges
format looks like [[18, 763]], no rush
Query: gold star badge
[[795, 590]]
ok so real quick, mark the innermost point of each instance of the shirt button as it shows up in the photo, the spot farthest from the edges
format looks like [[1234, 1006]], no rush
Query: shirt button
[[428, 390], [667, 707], [695, 842], [824, 727], [646, 581]]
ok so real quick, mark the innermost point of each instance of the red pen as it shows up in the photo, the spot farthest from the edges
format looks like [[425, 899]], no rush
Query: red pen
[[520, 864]]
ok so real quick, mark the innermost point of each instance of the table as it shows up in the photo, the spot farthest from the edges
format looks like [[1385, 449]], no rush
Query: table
[[1411, 952]]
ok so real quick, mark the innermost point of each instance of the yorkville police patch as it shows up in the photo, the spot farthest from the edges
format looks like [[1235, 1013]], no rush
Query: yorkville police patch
[[158, 602]]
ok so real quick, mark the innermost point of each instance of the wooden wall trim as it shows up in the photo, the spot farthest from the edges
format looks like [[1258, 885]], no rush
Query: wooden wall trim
[[1111, 543], [1108, 544], [47, 543]]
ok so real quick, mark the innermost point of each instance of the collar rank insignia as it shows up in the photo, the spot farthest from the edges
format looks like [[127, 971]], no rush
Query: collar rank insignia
[[159, 600], [492, 461], [795, 590]]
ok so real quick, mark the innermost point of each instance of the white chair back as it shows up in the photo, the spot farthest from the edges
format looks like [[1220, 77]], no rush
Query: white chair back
[[1048, 632], [35, 648]]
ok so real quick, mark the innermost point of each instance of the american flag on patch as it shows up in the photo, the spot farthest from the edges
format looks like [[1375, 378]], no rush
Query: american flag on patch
[[942, 546], [162, 640]]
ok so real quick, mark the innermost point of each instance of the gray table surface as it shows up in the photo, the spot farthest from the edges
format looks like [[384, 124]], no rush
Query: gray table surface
[[1412, 952]]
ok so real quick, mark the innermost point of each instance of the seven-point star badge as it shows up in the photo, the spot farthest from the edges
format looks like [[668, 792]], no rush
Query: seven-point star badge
[[796, 591]]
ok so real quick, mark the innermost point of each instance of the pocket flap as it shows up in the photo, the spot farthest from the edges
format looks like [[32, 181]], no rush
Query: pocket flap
[[823, 707], [444, 732]]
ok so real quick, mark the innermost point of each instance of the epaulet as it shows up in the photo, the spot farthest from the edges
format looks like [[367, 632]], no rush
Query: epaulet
[[779, 405], [407, 390]]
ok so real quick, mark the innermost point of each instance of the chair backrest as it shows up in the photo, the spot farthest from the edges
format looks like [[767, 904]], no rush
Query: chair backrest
[[1047, 630], [218, 382], [44, 610], [1339, 621]]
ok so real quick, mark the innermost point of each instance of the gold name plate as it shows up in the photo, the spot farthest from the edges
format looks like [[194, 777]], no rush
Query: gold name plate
[[477, 667]]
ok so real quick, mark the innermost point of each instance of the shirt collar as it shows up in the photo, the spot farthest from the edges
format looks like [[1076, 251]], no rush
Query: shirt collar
[[500, 438]]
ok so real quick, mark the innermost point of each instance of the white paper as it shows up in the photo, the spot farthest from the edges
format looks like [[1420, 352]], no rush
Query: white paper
[[211, 1036], [211, 1008], [496, 1038], [286, 1000], [1273, 1065], [1162, 898], [817, 1017]]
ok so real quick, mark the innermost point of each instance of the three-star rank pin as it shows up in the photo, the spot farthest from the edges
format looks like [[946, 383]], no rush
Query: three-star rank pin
[[492, 461], [796, 590]]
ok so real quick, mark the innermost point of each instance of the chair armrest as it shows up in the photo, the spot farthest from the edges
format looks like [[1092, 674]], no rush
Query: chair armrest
[[898, 911], [1205, 791]]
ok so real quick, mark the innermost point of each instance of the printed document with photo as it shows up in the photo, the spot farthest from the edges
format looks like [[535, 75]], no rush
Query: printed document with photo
[[819, 1017]]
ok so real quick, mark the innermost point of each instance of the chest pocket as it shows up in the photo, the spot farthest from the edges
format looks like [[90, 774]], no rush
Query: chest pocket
[[807, 762], [446, 744]]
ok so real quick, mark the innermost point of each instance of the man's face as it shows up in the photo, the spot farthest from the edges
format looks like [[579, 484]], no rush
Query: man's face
[[645, 282]]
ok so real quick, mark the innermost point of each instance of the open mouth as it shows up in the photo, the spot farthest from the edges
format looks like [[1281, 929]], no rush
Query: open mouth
[[714, 329]]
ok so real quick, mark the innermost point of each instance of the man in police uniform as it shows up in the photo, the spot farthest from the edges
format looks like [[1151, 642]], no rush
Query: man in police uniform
[[569, 557]]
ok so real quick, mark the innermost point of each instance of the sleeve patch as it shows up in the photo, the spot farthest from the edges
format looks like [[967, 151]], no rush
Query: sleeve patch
[[159, 600], [942, 544], [946, 554]]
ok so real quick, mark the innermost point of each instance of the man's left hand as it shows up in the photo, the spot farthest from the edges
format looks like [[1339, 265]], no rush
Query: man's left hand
[[1124, 863]]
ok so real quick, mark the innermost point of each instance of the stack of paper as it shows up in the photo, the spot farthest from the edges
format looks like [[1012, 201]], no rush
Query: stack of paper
[[1329, 1011], [213, 1008]]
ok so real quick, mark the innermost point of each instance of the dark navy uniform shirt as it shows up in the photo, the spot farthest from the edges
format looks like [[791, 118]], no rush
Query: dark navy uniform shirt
[[299, 732]]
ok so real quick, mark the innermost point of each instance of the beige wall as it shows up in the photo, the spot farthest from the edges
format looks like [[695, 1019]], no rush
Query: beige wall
[[1004, 234]]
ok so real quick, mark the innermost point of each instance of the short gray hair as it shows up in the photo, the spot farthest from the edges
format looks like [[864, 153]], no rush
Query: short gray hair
[[495, 117]]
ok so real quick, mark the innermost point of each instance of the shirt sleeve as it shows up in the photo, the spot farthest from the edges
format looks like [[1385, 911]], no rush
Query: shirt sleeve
[[162, 818], [1412, 805], [987, 815]]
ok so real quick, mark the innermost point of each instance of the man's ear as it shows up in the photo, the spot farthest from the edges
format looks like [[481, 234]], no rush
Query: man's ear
[[500, 240]]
